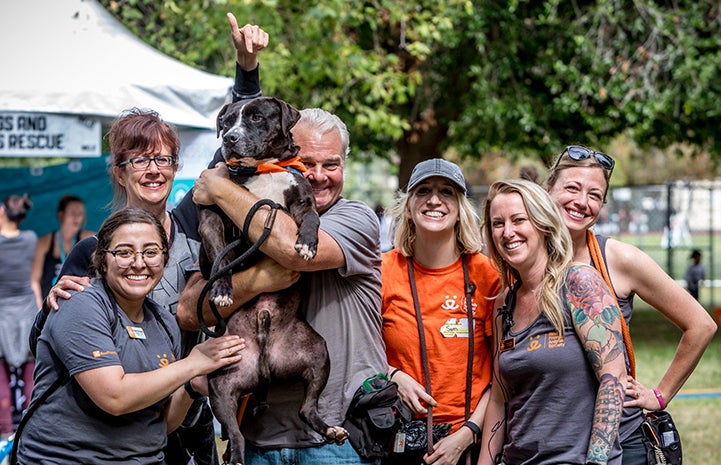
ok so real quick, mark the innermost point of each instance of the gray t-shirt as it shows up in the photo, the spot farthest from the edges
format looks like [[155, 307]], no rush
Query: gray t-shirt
[[90, 332], [344, 306], [551, 391], [18, 306]]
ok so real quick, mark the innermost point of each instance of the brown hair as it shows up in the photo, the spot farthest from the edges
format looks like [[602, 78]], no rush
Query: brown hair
[[116, 220], [135, 133], [16, 207], [562, 162]]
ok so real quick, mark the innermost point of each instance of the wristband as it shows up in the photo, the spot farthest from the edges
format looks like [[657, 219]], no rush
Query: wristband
[[390, 377], [195, 395], [661, 402], [474, 428]]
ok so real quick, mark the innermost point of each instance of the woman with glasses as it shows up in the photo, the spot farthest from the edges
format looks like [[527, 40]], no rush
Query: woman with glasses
[[110, 380], [145, 161], [578, 183]]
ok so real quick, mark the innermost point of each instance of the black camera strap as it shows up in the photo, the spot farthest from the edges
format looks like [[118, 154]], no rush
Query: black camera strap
[[469, 289]]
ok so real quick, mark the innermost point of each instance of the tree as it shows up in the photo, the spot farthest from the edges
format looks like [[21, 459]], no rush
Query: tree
[[521, 77]]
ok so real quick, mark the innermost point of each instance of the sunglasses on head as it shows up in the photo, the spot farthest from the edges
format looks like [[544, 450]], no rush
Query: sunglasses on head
[[579, 152]]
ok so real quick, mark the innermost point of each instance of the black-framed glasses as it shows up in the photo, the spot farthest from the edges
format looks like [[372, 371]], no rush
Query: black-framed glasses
[[579, 152], [141, 163], [124, 257]]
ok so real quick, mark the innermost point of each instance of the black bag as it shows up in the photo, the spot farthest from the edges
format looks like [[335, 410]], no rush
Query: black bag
[[416, 432], [663, 443], [375, 416]]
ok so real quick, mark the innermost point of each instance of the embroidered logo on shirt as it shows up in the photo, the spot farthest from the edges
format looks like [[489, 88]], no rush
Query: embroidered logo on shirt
[[552, 340], [451, 303], [165, 360], [100, 353]]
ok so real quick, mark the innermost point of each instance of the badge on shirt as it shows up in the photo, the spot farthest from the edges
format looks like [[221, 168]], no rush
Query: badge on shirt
[[135, 332], [508, 344]]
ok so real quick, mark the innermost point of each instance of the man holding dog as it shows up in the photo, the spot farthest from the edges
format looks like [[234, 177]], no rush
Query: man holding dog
[[342, 303]]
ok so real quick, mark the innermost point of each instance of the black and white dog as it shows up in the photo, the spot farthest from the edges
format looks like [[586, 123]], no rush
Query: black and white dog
[[279, 344]]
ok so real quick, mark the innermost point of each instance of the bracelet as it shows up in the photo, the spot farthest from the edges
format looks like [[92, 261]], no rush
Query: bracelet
[[195, 395], [390, 377], [474, 428], [661, 402]]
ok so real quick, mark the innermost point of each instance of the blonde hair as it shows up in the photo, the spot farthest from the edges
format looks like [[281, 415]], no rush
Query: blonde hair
[[546, 218], [468, 228]]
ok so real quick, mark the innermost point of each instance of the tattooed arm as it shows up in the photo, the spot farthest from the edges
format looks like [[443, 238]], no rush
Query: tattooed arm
[[494, 425], [596, 318]]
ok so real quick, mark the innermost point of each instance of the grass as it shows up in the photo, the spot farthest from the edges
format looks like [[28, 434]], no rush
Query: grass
[[697, 419]]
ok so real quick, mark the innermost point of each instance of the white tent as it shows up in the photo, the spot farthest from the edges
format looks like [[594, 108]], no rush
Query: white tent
[[73, 57]]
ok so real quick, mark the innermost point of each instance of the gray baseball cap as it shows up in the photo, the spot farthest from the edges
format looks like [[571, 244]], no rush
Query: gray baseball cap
[[437, 167]]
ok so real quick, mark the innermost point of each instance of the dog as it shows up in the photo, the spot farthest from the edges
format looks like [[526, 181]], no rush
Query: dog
[[279, 344]]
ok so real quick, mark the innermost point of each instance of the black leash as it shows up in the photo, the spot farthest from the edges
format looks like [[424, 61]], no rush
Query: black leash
[[216, 273]]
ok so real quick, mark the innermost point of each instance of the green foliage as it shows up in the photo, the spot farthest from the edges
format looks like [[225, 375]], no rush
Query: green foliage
[[521, 77]]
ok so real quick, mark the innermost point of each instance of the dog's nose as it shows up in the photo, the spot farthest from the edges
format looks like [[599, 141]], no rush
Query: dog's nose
[[231, 138]]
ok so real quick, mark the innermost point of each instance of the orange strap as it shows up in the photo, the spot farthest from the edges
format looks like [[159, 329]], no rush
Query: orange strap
[[277, 167], [600, 265], [241, 407]]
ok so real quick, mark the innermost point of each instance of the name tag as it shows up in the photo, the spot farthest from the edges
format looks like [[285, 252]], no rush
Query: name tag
[[508, 344], [135, 332]]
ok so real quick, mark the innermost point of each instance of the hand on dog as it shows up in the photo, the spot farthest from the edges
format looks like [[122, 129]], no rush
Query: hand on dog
[[248, 42], [203, 186], [216, 353], [413, 394], [60, 289]]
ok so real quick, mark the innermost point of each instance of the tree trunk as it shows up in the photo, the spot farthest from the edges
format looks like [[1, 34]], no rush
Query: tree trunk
[[422, 142]]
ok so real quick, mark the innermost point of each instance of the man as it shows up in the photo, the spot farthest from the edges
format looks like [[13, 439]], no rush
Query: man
[[343, 302]]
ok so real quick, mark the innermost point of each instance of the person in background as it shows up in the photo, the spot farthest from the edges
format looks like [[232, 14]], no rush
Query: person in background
[[695, 273], [110, 381], [145, 161], [438, 235], [18, 306], [578, 182], [559, 366], [53, 248], [343, 294]]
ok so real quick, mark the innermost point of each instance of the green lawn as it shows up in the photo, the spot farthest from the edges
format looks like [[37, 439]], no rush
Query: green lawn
[[697, 419]]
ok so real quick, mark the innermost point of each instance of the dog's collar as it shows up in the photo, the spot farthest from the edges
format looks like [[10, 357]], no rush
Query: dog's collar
[[292, 164]]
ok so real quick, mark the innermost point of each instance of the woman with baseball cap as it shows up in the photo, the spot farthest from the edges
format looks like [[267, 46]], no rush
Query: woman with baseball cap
[[434, 278]]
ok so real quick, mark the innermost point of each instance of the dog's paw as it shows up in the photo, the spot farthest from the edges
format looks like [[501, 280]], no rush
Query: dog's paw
[[223, 301], [221, 294], [336, 434], [305, 250]]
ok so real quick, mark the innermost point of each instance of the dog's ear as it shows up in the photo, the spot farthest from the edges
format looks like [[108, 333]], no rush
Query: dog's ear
[[288, 116], [219, 119]]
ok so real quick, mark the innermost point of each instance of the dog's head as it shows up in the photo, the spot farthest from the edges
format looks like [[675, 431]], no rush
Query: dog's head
[[257, 131]]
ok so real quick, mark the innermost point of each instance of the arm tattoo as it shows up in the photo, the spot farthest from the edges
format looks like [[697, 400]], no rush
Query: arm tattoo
[[606, 417], [594, 311], [596, 318]]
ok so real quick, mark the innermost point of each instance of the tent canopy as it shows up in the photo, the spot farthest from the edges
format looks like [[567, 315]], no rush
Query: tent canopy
[[74, 57]]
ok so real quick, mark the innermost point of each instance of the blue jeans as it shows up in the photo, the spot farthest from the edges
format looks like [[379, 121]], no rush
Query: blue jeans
[[327, 454], [634, 450]]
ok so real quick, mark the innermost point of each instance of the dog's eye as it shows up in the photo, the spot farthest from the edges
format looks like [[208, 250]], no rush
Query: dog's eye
[[256, 118]]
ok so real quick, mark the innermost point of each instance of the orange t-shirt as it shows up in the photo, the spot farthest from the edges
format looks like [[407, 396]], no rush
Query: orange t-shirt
[[443, 306]]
